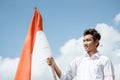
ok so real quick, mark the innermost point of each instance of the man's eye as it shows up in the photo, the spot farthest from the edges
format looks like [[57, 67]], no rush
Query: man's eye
[[87, 39]]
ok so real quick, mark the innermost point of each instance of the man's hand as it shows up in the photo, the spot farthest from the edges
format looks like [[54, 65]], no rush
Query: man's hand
[[52, 64], [50, 61]]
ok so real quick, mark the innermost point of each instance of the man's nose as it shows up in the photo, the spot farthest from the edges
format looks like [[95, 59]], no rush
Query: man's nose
[[84, 43]]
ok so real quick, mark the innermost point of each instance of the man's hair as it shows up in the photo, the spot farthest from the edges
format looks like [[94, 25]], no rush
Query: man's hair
[[94, 33]]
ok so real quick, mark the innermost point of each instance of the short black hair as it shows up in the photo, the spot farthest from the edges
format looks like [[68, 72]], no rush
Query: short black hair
[[94, 33]]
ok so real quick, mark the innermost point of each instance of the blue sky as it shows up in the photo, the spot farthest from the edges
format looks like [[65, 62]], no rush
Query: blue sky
[[62, 20]]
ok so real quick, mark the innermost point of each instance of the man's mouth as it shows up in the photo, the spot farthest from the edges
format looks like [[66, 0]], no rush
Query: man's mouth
[[85, 47]]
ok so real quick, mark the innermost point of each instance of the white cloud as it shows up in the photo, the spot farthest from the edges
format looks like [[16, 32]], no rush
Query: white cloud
[[7, 68], [117, 18], [69, 51]]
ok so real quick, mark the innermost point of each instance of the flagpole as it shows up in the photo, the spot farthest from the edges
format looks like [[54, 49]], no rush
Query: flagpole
[[53, 71]]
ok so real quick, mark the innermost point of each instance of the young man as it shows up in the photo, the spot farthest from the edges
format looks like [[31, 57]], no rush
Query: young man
[[91, 66]]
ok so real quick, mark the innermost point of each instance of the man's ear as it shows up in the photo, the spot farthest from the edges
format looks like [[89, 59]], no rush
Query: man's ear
[[97, 43]]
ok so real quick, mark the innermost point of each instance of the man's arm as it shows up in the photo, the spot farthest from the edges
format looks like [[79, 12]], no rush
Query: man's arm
[[109, 70], [51, 62]]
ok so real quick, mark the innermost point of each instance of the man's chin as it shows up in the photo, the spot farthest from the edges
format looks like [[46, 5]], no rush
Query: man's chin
[[86, 50]]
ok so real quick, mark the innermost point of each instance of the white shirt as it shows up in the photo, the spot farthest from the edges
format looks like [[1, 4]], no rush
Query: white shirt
[[97, 67]]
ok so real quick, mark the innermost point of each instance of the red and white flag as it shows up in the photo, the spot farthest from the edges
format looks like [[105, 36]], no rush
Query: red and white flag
[[36, 48]]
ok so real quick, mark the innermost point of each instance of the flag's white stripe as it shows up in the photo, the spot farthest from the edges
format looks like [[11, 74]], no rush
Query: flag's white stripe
[[41, 46], [41, 51]]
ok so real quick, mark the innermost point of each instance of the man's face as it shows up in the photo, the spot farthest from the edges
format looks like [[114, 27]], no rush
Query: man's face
[[89, 43]]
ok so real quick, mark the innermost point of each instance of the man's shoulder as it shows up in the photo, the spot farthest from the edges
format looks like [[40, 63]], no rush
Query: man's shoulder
[[105, 59], [79, 57]]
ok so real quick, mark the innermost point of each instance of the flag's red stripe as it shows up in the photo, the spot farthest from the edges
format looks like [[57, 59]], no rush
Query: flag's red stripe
[[24, 67]]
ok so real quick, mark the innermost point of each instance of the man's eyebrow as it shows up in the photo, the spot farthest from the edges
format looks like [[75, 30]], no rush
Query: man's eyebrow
[[88, 38]]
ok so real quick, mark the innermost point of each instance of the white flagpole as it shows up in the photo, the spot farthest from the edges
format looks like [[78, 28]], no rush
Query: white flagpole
[[54, 74]]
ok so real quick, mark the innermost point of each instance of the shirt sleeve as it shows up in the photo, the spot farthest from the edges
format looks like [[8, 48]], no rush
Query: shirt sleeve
[[108, 70], [71, 71]]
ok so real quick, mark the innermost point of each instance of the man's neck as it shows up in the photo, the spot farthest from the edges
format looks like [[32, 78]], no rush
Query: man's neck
[[91, 53]]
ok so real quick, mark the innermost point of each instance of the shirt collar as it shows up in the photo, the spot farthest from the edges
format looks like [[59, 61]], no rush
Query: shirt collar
[[95, 56]]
